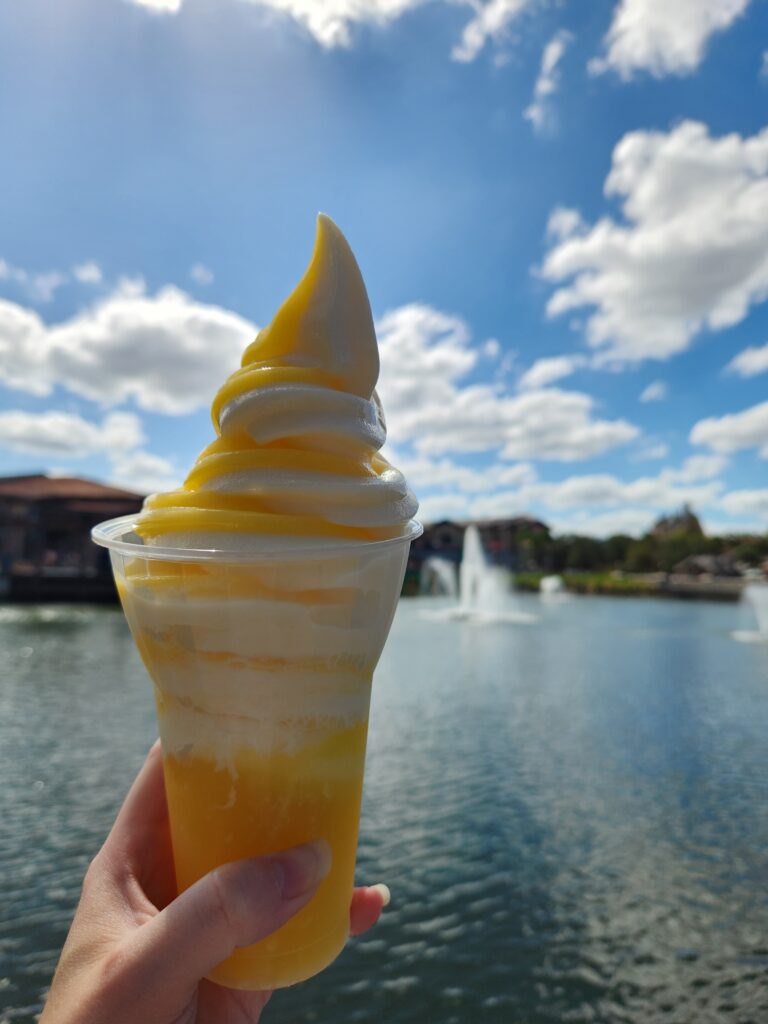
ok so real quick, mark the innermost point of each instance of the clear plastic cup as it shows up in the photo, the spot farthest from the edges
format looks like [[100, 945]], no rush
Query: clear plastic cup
[[262, 665]]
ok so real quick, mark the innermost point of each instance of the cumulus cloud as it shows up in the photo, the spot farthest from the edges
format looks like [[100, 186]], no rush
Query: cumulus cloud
[[546, 371], [331, 22], [144, 472], [548, 82], [651, 452], [162, 351], [492, 21], [667, 490], [87, 273], [736, 431], [161, 6], [425, 358], [201, 274], [595, 503], [689, 253], [426, 474], [63, 433], [39, 287], [632, 522], [747, 503], [749, 362], [663, 37], [656, 391]]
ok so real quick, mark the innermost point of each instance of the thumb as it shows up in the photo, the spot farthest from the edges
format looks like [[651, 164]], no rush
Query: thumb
[[234, 905]]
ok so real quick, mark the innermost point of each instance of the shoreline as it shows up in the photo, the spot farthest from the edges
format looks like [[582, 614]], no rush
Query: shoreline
[[678, 587]]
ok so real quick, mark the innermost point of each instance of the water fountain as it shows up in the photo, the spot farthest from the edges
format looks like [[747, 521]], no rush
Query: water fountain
[[756, 595], [484, 589], [438, 575], [552, 590]]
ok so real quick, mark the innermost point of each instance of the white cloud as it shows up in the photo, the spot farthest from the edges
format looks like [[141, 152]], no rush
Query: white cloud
[[144, 472], [443, 506], [161, 6], [546, 371], [695, 468], [600, 504], [330, 22], [690, 253], [492, 21], [653, 451], [656, 391], [663, 37], [593, 503], [424, 473], [555, 424], [602, 490], [565, 222], [88, 273], [201, 274], [749, 362], [764, 65], [40, 287], [43, 287], [425, 354], [547, 84], [633, 522], [162, 351], [736, 431], [747, 503], [63, 433]]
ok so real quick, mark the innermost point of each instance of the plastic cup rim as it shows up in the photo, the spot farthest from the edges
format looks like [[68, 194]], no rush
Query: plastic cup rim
[[111, 534]]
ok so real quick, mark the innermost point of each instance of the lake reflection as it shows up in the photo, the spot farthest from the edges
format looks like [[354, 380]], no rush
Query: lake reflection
[[572, 815]]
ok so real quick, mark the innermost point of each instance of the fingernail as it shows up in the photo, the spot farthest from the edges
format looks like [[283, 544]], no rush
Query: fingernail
[[303, 867], [383, 890]]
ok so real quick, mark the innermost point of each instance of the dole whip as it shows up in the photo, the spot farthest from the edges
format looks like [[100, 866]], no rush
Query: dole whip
[[260, 595]]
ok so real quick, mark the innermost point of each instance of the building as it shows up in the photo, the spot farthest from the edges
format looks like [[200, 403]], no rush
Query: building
[[46, 552], [503, 541], [683, 522]]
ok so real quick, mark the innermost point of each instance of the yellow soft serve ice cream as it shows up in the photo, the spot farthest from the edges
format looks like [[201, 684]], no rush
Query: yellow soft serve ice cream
[[260, 595], [299, 428]]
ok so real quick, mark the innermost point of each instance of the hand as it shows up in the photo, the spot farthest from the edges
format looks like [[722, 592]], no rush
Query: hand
[[137, 954]]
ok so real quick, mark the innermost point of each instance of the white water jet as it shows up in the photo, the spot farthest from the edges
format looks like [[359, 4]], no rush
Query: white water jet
[[484, 589], [756, 595], [439, 575], [552, 590]]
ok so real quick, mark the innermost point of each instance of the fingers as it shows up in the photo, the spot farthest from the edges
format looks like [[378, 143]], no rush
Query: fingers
[[218, 1005], [144, 809], [367, 905], [235, 905]]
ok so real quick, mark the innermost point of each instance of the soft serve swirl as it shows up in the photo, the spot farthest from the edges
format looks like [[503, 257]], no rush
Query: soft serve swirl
[[299, 428]]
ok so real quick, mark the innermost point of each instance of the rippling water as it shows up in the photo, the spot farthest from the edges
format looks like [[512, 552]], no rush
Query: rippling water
[[572, 815]]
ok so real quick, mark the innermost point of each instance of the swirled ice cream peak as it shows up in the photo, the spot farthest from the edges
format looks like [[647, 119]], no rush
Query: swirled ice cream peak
[[299, 427]]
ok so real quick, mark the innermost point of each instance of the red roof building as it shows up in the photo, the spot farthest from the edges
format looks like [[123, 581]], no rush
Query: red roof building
[[45, 526]]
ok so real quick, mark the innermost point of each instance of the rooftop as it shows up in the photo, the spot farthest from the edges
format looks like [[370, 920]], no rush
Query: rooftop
[[40, 486]]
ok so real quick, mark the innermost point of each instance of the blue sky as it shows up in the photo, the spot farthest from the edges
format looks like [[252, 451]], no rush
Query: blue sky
[[560, 209]]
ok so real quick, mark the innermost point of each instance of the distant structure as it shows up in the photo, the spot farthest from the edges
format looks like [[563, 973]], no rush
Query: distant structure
[[502, 541], [685, 521], [46, 552], [708, 566]]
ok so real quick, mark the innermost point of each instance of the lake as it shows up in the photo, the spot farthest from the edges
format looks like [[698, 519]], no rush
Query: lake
[[572, 815]]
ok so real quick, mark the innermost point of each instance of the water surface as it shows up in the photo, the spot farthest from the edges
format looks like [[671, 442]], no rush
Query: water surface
[[572, 815]]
